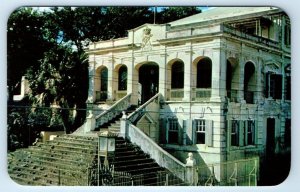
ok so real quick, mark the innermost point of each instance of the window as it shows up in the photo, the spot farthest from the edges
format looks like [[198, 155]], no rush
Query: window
[[287, 35], [235, 133], [122, 84], [173, 131], [204, 73], [250, 127], [242, 133], [287, 133], [273, 85], [177, 75], [200, 131], [203, 132], [288, 82]]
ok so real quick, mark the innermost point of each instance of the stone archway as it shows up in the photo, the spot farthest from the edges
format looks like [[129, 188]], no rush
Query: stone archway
[[148, 81]]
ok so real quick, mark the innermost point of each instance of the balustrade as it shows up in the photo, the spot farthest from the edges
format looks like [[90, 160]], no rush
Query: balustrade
[[113, 111]]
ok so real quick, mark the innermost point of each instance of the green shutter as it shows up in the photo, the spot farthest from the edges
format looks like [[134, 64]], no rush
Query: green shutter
[[242, 133], [246, 132], [209, 133], [163, 124], [228, 131], [184, 134], [180, 132], [189, 132], [193, 138]]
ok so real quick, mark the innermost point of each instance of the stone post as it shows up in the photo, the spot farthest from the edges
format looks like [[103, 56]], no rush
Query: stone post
[[191, 170], [124, 126], [90, 123]]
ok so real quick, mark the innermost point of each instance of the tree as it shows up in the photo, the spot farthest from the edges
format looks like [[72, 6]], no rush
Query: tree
[[169, 14], [49, 48], [26, 44], [61, 83]]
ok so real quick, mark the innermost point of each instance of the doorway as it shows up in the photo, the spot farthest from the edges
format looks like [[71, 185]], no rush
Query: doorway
[[270, 143], [149, 81]]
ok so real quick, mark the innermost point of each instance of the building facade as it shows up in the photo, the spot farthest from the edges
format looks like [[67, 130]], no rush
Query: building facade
[[224, 77]]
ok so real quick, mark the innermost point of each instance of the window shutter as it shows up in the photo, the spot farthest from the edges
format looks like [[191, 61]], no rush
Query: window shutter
[[242, 133], [189, 132], [278, 88], [229, 128], [163, 124], [180, 132], [193, 136], [246, 132], [184, 134], [254, 133], [267, 85], [209, 133]]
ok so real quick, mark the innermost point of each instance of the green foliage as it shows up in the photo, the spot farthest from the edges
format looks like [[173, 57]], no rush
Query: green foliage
[[169, 14], [49, 48]]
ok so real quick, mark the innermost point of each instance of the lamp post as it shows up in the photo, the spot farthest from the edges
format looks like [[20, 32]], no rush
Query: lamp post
[[106, 150]]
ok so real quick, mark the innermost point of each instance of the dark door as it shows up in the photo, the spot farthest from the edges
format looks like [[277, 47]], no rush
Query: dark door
[[270, 145], [148, 78]]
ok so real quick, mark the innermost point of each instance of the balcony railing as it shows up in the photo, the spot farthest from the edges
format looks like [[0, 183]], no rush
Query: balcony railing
[[232, 95], [101, 96], [258, 39], [177, 94], [202, 93], [121, 94], [249, 97]]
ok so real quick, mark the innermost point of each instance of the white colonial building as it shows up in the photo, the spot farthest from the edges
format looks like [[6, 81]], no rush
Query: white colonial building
[[216, 84]]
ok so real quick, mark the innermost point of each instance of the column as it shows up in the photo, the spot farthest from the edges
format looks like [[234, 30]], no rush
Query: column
[[90, 119], [161, 61], [187, 60], [218, 86], [110, 87]]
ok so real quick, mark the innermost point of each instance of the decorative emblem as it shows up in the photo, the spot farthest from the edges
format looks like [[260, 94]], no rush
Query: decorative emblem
[[146, 43]]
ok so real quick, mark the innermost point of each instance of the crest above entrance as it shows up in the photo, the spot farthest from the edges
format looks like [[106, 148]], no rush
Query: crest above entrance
[[145, 36]]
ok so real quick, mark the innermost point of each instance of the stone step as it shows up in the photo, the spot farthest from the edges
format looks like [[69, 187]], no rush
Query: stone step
[[61, 154], [47, 176], [79, 141], [70, 143], [63, 150], [64, 147]]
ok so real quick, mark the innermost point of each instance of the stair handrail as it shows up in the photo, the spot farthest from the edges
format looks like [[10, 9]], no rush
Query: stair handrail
[[135, 114], [161, 156], [113, 111]]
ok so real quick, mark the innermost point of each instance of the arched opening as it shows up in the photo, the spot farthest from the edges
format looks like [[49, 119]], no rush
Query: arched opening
[[122, 78], [249, 82], [232, 79], [203, 77], [148, 81], [204, 73], [101, 81], [175, 79]]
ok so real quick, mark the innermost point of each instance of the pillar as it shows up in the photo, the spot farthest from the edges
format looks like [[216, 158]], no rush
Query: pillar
[[186, 58], [218, 87], [90, 119]]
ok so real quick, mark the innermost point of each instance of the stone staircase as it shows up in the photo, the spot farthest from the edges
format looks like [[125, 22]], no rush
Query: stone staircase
[[114, 124], [131, 159], [66, 160], [62, 161]]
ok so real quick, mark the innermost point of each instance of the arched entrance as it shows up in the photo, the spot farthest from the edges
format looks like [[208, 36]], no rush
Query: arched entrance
[[148, 81]]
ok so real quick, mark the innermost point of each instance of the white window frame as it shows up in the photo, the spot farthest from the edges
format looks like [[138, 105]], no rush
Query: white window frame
[[236, 125], [173, 126]]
